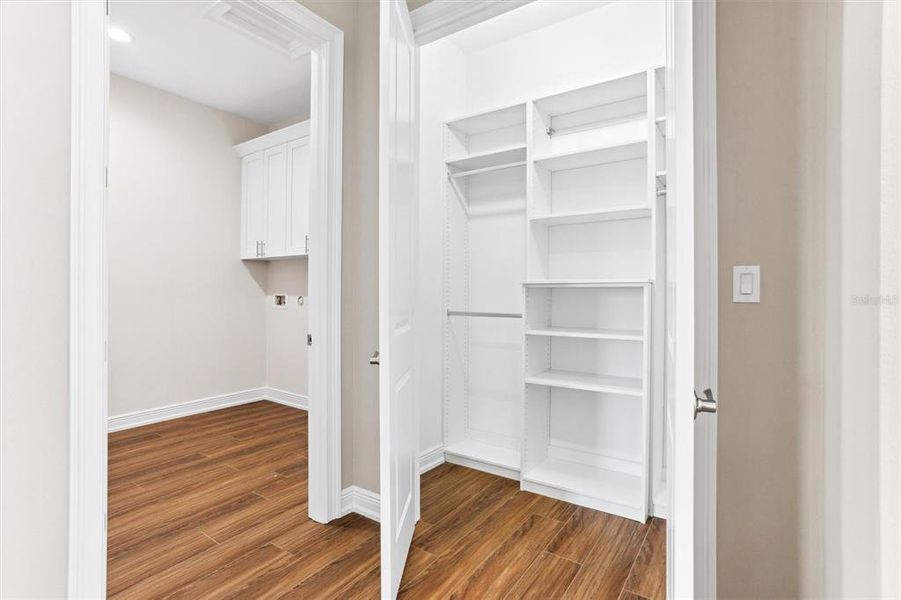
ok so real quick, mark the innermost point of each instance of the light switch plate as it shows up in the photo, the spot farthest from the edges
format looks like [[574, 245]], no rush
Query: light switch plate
[[746, 284]]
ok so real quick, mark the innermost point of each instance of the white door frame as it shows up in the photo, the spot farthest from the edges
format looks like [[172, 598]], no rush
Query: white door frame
[[88, 380], [697, 56]]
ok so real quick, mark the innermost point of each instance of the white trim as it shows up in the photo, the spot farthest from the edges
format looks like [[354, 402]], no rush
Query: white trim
[[431, 458], [326, 130], [691, 75], [485, 467], [707, 289], [203, 405], [275, 138], [88, 308], [292, 399], [355, 499], [88, 301], [890, 316], [441, 18]]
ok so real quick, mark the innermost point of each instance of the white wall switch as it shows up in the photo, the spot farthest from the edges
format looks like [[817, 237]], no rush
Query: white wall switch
[[746, 283]]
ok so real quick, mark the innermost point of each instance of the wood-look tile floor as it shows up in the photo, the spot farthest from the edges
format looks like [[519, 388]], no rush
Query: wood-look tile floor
[[214, 506]]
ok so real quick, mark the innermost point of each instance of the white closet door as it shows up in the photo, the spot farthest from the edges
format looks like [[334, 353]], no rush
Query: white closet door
[[276, 177], [253, 205], [398, 229], [298, 196]]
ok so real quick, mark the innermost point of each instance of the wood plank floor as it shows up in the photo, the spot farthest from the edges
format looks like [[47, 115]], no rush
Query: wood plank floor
[[214, 506]]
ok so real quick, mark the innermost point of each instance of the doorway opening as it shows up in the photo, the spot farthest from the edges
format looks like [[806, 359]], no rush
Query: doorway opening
[[209, 131], [545, 170]]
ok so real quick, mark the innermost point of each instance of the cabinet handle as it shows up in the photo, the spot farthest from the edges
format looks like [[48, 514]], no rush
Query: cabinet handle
[[258, 247], [306, 244], [263, 248]]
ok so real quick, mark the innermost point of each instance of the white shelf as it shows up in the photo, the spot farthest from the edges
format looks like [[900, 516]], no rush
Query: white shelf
[[589, 382], [608, 92], [605, 485], [498, 456], [594, 216], [493, 158], [628, 335], [560, 283], [491, 120], [626, 150]]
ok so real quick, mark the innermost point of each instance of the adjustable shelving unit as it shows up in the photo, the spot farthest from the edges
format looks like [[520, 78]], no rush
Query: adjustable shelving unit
[[554, 237], [593, 212]]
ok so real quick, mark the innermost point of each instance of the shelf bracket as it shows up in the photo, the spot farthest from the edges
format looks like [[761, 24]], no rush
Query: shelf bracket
[[459, 193]]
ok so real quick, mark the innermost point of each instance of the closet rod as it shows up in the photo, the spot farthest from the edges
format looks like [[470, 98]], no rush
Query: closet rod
[[468, 313]]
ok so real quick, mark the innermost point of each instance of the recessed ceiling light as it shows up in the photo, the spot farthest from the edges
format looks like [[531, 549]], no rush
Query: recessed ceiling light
[[117, 34]]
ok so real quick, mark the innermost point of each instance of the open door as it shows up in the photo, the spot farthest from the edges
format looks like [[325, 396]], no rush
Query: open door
[[691, 300], [398, 227]]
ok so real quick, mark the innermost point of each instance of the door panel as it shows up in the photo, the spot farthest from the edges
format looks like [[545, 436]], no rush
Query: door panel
[[276, 165], [398, 223], [253, 205], [298, 195]]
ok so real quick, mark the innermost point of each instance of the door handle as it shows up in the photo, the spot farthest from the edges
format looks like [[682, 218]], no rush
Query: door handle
[[374, 359], [707, 404]]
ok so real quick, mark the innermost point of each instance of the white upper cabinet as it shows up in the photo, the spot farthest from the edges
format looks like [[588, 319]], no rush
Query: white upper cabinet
[[298, 154], [275, 202], [253, 205]]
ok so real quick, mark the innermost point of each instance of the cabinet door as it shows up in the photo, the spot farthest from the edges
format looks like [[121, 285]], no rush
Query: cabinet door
[[253, 205], [276, 176], [298, 196]]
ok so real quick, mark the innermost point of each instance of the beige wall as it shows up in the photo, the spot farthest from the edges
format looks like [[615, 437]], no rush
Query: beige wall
[[359, 19], [771, 78], [187, 318], [34, 291], [287, 362]]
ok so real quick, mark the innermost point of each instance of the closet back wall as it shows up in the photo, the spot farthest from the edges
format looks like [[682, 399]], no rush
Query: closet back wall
[[461, 75], [186, 316]]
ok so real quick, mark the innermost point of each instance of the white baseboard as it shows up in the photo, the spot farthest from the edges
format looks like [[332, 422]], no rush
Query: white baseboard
[[361, 501], [431, 458], [202, 405], [287, 398]]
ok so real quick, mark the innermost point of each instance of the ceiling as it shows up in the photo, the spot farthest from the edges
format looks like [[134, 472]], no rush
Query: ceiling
[[522, 20], [180, 50]]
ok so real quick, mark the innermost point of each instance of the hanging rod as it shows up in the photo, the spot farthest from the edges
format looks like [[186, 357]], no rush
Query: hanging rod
[[469, 313], [511, 165]]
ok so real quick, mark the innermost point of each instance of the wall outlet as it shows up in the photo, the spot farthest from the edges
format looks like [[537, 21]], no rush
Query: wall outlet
[[280, 301]]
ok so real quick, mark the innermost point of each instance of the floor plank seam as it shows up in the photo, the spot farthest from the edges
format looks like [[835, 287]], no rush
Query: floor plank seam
[[635, 558], [209, 537]]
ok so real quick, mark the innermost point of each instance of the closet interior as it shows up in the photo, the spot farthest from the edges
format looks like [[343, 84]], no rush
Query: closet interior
[[553, 238]]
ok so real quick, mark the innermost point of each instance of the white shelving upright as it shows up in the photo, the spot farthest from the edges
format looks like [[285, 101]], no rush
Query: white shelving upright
[[485, 157], [593, 252]]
